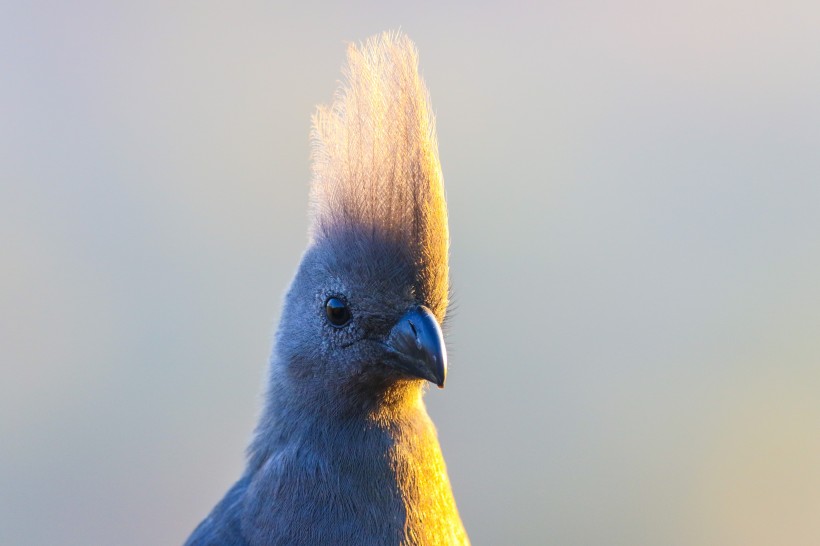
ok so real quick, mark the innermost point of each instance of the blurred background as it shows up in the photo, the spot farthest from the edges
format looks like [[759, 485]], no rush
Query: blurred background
[[634, 192]]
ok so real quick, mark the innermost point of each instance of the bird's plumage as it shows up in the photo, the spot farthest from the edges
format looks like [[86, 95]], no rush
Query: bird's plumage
[[375, 159], [344, 452]]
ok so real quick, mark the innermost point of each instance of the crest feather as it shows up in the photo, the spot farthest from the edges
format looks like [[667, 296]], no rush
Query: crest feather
[[375, 159]]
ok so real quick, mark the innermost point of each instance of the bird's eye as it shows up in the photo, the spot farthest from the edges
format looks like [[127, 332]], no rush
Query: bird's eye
[[338, 313]]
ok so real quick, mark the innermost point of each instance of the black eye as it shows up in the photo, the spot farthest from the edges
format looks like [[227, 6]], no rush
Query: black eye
[[337, 312]]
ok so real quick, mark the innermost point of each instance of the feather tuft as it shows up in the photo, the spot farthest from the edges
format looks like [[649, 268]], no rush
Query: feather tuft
[[375, 161]]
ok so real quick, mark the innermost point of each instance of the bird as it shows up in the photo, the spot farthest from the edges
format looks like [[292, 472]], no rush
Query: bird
[[345, 452]]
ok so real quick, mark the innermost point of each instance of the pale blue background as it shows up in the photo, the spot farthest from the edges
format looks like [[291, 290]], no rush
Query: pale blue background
[[634, 190]]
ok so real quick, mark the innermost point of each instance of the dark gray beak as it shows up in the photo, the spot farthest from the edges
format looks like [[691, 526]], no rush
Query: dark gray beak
[[416, 345]]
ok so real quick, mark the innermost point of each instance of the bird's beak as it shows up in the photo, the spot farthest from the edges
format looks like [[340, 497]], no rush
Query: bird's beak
[[416, 346]]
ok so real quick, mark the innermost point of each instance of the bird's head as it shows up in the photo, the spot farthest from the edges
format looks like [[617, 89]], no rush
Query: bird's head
[[365, 309]]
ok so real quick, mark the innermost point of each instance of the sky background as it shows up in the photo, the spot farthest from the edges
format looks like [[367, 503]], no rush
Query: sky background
[[634, 193]]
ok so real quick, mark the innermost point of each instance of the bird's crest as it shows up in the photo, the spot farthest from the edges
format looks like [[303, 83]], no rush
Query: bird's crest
[[375, 159]]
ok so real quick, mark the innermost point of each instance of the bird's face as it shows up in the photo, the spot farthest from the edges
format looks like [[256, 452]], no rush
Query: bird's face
[[355, 318]]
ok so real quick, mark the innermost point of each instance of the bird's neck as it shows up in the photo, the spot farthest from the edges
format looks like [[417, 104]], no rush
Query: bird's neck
[[297, 414], [385, 455]]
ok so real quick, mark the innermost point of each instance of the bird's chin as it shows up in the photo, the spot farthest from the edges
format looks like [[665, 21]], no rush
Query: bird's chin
[[386, 368], [381, 374], [380, 388]]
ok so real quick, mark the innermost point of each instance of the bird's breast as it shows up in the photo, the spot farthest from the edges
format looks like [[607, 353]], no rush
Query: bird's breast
[[356, 482]]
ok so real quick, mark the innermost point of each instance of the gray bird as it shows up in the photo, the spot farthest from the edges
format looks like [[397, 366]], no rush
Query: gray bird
[[345, 453]]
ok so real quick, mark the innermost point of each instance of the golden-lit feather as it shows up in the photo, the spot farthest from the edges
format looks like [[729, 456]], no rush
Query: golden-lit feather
[[375, 160]]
